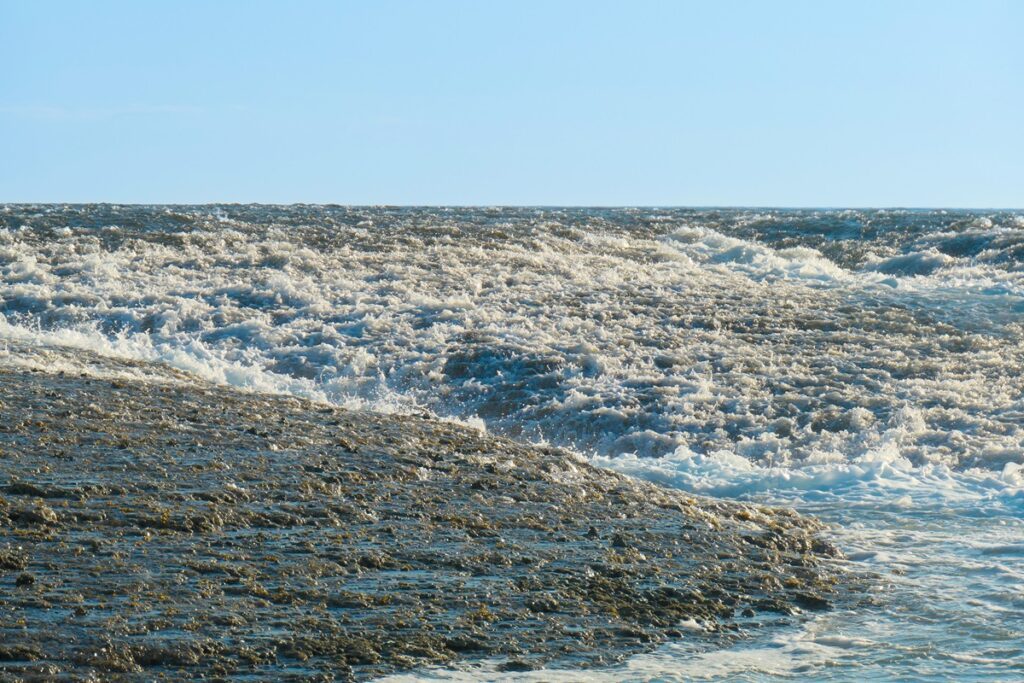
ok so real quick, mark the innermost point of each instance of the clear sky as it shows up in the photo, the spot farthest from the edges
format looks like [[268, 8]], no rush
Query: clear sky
[[823, 103]]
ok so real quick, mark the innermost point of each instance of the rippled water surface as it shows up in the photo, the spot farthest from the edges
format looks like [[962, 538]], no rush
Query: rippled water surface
[[863, 366]]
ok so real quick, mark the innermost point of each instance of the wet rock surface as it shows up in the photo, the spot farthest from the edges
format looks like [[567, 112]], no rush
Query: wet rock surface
[[179, 529]]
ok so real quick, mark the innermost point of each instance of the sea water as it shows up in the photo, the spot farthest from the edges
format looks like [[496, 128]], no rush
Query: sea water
[[863, 366]]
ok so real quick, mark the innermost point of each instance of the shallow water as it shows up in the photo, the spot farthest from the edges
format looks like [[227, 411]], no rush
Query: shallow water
[[864, 366]]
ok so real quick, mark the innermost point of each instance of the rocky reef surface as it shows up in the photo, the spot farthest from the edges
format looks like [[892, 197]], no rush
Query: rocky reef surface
[[164, 527]]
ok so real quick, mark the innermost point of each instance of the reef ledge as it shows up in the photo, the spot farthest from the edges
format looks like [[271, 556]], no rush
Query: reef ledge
[[176, 528]]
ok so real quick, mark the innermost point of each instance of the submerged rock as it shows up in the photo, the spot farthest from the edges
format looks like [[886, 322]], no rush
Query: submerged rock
[[194, 531], [39, 514]]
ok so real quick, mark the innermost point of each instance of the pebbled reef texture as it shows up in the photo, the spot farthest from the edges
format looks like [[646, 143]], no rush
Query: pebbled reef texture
[[173, 528]]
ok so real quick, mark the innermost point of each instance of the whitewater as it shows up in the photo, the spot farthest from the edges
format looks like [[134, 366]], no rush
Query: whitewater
[[862, 366]]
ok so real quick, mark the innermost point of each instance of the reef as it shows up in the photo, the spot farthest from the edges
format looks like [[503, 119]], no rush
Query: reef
[[169, 527]]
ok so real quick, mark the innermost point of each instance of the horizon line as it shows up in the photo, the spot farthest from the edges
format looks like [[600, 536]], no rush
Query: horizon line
[[772, 207]]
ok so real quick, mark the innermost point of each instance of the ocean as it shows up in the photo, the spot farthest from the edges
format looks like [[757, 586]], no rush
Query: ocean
[[865, 367]]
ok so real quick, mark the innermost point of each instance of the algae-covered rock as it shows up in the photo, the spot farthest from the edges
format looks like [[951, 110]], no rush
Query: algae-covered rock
[[173, 528]]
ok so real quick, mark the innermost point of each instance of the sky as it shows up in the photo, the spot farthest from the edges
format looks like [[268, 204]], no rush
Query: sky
[[716, 103]]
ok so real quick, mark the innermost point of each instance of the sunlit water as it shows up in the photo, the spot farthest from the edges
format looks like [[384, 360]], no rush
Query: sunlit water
[[862, 366]]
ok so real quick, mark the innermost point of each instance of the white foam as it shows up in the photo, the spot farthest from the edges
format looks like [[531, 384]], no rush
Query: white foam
[[194, 358], [877, 477], [623, 342], [709, 247]]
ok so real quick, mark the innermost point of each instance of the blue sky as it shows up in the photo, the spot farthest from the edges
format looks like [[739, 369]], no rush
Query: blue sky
[[894, 103]]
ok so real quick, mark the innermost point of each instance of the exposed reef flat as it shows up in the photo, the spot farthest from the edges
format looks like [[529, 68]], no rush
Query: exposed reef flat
[[175, 528]]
